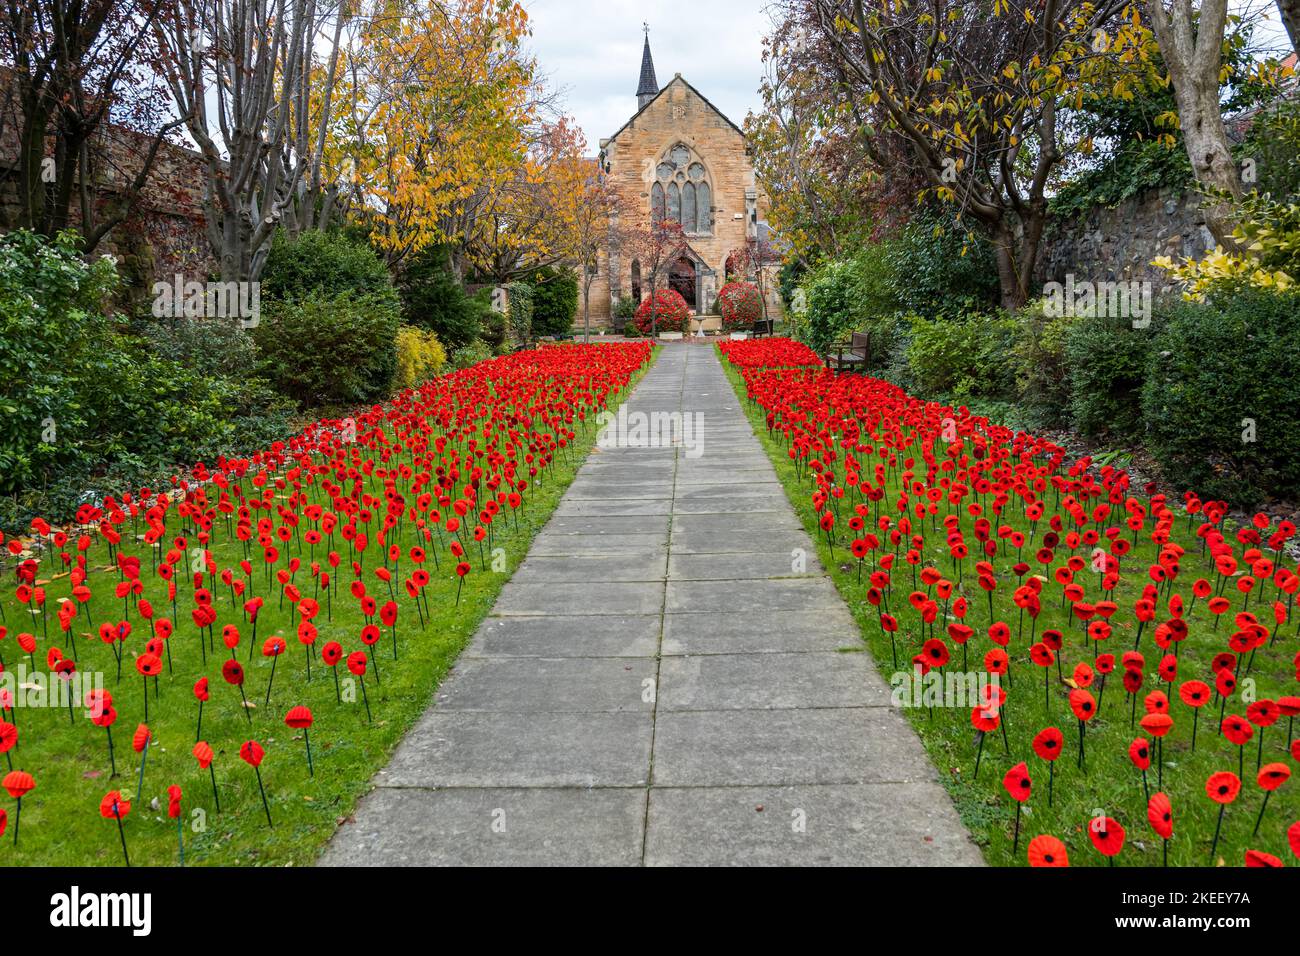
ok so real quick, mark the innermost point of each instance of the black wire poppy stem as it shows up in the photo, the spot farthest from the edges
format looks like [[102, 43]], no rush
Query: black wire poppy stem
[[1262, 807], [122, 833], [212, 772], [265, 806], [1051, 779], [978, 754], [1219, 826], [1015, 843]]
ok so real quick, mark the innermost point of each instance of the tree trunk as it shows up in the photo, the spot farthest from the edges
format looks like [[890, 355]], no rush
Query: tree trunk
[[1290, 11], [1192, 52]]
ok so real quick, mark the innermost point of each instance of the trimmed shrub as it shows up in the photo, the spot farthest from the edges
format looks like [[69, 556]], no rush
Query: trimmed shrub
[[673, 314], [324, 264], [434, 299], [555, 301], [1042, 371], [1219, 400], [471, 354], [1107, 361], [330, 351], [936, 269], [963, 358], [740, 305], [420, 356], [831, 295]]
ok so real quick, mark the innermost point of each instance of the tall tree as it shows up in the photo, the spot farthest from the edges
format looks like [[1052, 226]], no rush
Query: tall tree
[[74, 67], [979, 94], [1191, 44], [1290, 11], [438, 106], [244, 74]]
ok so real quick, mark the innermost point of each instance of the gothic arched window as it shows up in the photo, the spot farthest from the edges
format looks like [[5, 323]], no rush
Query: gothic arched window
[[681, 191]]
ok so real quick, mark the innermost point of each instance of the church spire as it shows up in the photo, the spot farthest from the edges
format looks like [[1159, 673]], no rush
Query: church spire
[[648, 88]]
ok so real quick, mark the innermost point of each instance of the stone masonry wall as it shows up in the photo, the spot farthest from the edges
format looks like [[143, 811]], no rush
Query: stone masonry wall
[[1120, 242]]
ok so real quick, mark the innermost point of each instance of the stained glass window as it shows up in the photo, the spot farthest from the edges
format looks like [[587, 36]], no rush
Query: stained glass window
[[704, 215], [657, 202], [674, 203], [688, 207]]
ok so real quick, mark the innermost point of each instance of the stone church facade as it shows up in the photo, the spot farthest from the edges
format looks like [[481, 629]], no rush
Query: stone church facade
[[679, 158]]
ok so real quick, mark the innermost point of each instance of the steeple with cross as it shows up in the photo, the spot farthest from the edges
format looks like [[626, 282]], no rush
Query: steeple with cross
[[648, 87]]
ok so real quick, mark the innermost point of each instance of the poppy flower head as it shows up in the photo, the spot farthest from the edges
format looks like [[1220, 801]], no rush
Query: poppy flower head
[[1273, 775], [251, 753], [1045, 850], [332, 653], [1048, 743], [1222, 787], [1017, 783], [1139, 753], [1106, 835], [114, 806], [1083, 704], [18, 783], [1160, 815], [298, 718], [232, 672], [203, 754]]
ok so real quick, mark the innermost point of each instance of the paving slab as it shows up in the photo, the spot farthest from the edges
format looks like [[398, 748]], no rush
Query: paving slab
[[567, 635], [587, 568], [492, 827], [669, 678], [830, 825], [727, 748], [447, 749], [572, 685], [769, 681], [604, 597]]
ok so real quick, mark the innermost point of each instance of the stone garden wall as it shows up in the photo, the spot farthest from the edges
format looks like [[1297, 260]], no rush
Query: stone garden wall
[[1119, 242]]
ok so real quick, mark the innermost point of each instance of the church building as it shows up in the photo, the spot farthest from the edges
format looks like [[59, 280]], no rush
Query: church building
[[678, 158]]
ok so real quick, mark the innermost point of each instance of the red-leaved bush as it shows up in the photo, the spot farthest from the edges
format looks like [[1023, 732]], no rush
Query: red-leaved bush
[[673, 315], [740, 305]]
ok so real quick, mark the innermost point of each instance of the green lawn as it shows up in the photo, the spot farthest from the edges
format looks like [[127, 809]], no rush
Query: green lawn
[[1111, 785], [61, 824]]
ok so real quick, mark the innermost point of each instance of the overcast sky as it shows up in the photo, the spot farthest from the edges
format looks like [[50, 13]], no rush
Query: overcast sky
[[591, 50]]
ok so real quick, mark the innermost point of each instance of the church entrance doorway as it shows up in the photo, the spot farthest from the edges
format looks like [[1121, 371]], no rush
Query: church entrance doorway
[[681, 279]]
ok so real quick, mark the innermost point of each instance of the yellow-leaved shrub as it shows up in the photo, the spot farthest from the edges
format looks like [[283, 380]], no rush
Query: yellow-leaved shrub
[[420, 356]]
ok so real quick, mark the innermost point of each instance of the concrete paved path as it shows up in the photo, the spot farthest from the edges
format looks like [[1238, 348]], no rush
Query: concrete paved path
[[658, 685]]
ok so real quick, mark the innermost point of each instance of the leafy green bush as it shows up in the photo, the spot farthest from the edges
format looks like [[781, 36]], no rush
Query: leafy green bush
[[338, 350], [520, 314], [1041, 369], [52, 349], [88, 409], [1107, 361], [833, 304], [555, 301], [434, 299], [936, 268], [325, 264], [962, 358], [1219, 402], [471, 354]]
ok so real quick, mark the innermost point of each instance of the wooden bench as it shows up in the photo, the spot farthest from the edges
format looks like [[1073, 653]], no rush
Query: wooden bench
[[761, 327], [849, 355]]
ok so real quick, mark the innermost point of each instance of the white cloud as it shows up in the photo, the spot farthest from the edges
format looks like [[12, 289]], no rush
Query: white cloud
[[591, 50]]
